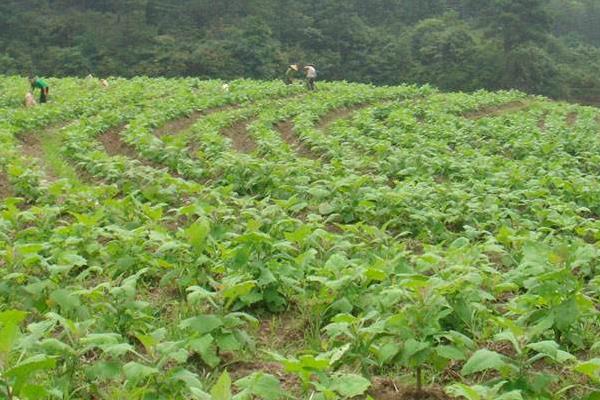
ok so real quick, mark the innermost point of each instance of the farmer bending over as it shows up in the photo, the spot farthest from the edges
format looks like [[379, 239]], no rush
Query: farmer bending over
[[37, 83], [311, 76], [290, 74]]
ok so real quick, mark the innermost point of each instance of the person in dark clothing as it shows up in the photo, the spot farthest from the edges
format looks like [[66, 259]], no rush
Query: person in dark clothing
[[37, 83]]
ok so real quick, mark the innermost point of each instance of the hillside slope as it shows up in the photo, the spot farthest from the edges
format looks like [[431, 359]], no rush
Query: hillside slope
[[395, 241]]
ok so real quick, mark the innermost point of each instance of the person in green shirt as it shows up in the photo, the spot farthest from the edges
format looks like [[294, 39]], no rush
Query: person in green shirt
[[37, 83]]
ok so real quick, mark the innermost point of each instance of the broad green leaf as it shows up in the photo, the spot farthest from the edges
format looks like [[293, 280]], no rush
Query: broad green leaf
[[388, 351], [593, 396], [197, 233], [259, 384], [342, 305], [197, 294], [65, 299], [117, 350], [478, 392], [336, 354], [374, 274], [9, 332], [450, 353], [552, 350], [22, 371], [590, 368], [180, 356], [350, 385], [33, 392], [202, 323], [9, 328], [305, 362], [54, 346], [149, 342], [222, 389], [413, 348], [510, 337], [104, 370], [228, 343], [205, 346], [483, 360], [71, 259], [299, 235], [12, 316], [234, 292], [566, 314], [31, 365], [462, 390], [100, 339], [189, 378], [136, 372]]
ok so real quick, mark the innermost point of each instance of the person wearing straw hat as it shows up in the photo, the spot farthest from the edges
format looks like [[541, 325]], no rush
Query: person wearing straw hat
[[290, 74], [311, 76]]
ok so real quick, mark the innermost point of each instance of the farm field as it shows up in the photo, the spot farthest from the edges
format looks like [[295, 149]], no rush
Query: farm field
[[167, 239]]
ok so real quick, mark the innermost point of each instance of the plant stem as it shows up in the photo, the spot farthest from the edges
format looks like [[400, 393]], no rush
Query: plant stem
[[419, 382], [8, 391]]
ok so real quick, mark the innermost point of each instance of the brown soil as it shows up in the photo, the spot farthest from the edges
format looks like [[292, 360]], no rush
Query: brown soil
[[386, 389], [181, 124], [505, 348], [32, 147], [339, 113], [114, 146], [572, 118], [415, 246], [496, 111], [333, 228], [178, 125], [286, 129], [542, 122], [495, 258], [241, 140], [5, 190], [280, 331]]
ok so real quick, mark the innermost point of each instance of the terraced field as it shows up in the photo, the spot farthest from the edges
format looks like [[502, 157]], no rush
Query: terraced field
[[165, 239]]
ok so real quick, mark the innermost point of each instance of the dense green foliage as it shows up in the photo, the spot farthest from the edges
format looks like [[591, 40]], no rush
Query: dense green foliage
[[170, 239], [539, 46]]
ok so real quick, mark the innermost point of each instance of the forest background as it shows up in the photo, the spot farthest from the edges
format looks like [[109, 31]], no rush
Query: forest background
[[549, 47]]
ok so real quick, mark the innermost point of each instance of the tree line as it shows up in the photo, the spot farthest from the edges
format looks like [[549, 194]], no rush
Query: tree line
[[549, 47]]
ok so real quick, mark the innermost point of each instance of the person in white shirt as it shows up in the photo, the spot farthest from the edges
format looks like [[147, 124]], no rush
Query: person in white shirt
[[311, 75]]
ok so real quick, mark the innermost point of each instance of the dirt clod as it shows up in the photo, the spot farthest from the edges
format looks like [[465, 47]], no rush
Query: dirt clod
[[114, 146], [32, 147], [181, 124], [286, 129], [339, 113], [178, 125], [240, 138], [387, 389], [542, 122], [5, 190], [496, 111], [571, 118], [280, 331]]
